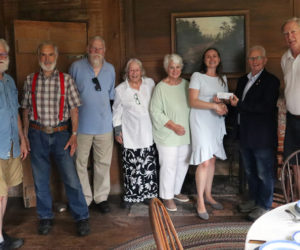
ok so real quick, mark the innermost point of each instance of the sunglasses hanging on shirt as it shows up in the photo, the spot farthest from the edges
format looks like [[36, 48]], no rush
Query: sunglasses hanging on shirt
[[136, 98], [97, 86]]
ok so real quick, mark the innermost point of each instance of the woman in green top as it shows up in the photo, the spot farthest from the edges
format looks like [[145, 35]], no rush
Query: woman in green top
[[170, 119]]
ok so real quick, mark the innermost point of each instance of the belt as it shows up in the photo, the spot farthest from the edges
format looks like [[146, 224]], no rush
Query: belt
[[48, 130], [295, 116]]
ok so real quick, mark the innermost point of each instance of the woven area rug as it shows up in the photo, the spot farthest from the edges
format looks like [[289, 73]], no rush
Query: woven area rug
[[227, 235]]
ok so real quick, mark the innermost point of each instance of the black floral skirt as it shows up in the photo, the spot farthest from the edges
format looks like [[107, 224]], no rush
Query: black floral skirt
[[140, 167]]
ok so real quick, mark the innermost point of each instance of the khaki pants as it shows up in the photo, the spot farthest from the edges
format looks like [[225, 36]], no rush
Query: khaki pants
[[102, 153]]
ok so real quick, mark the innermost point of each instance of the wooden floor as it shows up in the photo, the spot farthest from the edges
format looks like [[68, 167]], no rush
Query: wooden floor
[[107, 231]]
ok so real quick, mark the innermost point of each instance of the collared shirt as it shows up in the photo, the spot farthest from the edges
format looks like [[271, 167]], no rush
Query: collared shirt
[[95, 115], [131, 110], [250, 82], [47, 93], [9, 118], [291, 70], [170, 103]]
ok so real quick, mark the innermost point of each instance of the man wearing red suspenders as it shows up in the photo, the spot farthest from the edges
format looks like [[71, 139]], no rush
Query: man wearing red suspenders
[[50, 100]]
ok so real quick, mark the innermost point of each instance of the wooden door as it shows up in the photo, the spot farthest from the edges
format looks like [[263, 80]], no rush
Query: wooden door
[[71, 39]]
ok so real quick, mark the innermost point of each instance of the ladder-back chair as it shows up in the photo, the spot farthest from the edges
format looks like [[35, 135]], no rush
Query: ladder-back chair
[[164, 232], [290, 177]]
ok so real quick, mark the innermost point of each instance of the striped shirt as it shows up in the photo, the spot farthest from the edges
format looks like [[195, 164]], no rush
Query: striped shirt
[[47, 92]]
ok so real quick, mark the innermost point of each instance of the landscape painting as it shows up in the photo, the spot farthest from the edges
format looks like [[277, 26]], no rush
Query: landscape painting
[[192, 33]]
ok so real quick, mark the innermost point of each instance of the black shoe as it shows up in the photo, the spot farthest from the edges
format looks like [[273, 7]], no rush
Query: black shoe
[[4, 245], [45, 226], [147, 201], [83, 227], [13, 242], [104, 207], [125, 204]]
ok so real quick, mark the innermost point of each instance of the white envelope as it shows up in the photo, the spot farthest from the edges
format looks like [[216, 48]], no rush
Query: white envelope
[[224, 95]]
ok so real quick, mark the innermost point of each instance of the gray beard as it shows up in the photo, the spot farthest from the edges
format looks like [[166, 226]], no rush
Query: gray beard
[[95, 60], [48, 67], [4, 65]]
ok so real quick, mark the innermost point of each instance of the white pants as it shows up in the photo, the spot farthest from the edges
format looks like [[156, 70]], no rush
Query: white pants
[[102, 153], [174, 164]]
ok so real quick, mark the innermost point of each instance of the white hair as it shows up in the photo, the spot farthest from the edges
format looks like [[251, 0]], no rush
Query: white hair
[[138, 62], [4, 44], [177, 59], [258, 47], [94, 38], [293, 19], [41, 45]]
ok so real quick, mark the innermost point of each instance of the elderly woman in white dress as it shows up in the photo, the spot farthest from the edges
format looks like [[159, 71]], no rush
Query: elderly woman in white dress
[[133, 130], [170, 117], [207, 126]]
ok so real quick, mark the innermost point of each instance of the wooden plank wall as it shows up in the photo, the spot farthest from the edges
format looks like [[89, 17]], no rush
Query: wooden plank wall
[[141, 28], [148, 26], [103, 17]]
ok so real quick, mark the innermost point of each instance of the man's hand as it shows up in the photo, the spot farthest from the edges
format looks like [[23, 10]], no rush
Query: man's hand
[[234, 100], [72, 142], [24, 149]]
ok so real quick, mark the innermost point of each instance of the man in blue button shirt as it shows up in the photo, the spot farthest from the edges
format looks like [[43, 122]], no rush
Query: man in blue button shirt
[[11, 151], [95, 79]]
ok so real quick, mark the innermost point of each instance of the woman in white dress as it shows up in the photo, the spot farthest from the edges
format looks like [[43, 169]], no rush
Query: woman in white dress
[[207, 126]]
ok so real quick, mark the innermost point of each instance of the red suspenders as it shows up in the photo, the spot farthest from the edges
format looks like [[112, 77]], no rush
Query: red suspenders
[[62, 95]]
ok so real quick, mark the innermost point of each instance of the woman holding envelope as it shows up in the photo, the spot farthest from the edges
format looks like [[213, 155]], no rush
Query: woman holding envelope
[[207, 126]]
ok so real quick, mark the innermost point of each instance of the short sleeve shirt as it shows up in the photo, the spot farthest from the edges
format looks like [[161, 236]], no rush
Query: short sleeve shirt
[[291, 70], [48, 93], [95, 114], [9, 118]]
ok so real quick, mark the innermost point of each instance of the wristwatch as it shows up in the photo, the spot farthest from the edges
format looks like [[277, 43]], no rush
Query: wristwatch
[[74, 133]]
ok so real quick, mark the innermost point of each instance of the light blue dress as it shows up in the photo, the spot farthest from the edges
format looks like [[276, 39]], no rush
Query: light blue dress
[[207, 127]]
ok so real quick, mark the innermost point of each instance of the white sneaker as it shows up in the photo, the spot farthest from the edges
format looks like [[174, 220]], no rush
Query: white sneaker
[[181, 197]]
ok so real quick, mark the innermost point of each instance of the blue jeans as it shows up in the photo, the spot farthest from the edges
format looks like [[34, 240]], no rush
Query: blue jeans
[[259, 169], [42, 146]]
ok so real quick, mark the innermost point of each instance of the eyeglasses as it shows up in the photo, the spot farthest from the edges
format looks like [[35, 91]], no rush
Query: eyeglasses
[[136, 98], [255, 58], [97, 50], [5, 55], [95, 81]]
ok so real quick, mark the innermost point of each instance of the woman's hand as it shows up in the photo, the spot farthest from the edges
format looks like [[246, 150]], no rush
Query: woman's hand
[[221, 108], [216, 99], [119, 138], [179, 130], [234, 100]]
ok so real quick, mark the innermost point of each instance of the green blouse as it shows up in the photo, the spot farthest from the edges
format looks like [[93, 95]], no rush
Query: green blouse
[[170, 102]]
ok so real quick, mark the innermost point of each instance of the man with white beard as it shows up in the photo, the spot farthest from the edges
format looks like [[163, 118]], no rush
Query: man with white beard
[[95, 79], [50, 99], [11, 150]]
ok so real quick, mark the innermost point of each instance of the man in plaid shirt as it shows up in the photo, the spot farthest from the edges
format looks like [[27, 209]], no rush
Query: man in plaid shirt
[[50, 99]]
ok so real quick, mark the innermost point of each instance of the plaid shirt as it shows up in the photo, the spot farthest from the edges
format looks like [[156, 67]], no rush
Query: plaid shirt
[[48, 98]]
